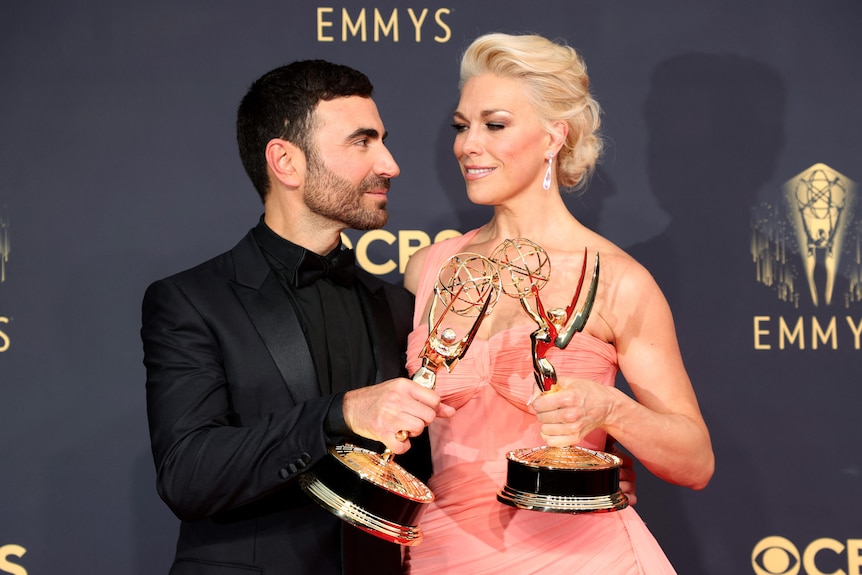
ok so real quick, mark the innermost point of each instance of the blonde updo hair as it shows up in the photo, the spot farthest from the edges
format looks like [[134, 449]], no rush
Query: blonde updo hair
[[559, 89]]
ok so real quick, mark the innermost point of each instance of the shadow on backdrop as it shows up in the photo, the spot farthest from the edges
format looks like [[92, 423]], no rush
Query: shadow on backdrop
[[587, 204], [715, 128], [155, 527]]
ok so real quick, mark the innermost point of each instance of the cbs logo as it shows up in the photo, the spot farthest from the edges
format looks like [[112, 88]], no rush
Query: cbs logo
[[7, 566], [779, 556], [375, 254]]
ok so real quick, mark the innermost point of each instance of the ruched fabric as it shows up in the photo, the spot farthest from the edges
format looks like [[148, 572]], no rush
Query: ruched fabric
[[466, 530]]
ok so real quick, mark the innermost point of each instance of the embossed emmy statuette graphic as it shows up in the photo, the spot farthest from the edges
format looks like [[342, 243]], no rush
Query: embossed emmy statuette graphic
[[370, 490], [555, 479], [822, 203]]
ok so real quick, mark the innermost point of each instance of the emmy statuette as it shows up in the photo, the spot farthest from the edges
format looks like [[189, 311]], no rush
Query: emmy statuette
[[553, 479], [370, 490]]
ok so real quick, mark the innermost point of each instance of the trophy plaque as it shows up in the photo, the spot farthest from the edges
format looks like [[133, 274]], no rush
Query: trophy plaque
[[370, 490], [554, 479]]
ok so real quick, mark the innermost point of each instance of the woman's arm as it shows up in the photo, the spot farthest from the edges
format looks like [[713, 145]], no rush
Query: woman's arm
[[664, 427]]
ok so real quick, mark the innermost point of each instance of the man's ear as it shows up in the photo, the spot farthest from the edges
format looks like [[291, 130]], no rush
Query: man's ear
[[286, 162]]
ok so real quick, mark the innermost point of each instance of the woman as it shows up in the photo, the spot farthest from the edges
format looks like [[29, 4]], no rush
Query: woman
[[525, 125]]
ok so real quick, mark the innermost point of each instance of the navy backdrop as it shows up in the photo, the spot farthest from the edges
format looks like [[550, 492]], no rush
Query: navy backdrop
[[733, 133]]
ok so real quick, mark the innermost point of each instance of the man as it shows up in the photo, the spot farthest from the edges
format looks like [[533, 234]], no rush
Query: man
[[264, 356]]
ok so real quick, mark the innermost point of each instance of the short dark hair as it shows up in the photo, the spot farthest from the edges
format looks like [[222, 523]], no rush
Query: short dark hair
[[281, 104]]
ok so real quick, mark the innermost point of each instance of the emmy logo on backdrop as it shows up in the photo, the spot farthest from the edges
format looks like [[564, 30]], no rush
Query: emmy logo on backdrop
[[822, 205], [370, 490], [557, 479]]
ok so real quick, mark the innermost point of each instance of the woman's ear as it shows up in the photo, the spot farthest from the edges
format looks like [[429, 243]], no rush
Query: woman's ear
[[558, 133], [286, 162]]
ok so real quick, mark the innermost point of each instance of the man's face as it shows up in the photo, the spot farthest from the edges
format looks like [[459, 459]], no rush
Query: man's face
[[348, 165]]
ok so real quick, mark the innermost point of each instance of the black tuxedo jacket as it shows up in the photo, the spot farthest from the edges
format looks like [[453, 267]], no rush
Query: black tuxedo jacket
[[236, 415]]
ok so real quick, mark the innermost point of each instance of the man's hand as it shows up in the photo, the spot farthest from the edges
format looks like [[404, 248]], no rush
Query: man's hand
[[382, 411]]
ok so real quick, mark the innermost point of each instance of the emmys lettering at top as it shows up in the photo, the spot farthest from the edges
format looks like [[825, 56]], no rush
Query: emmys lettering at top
[[9, 555], [365, 24]]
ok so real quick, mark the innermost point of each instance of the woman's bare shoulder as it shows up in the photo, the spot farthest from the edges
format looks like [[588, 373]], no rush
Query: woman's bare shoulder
[[626, 288], [413, 269]]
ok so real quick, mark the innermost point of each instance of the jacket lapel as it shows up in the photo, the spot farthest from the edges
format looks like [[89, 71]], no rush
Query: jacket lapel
[[269, 309]]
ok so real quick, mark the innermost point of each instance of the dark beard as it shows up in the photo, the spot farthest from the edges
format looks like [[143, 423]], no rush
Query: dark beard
[[330, 196]]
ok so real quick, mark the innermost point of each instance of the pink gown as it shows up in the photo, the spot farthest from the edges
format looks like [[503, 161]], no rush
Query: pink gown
[[466, 530]]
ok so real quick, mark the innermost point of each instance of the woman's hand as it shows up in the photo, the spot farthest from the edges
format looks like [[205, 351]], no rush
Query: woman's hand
[[628, 480], [572, 410]]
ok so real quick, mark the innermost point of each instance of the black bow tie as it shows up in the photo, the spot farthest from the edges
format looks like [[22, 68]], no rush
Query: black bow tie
[[313, 267]]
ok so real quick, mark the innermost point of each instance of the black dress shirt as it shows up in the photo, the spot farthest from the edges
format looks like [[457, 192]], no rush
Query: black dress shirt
[[332, 320]]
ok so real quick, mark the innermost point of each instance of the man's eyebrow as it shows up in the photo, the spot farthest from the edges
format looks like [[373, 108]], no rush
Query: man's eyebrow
[[368, 132]]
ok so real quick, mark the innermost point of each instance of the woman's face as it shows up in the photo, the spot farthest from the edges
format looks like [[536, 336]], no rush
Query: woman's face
[[500, 142]]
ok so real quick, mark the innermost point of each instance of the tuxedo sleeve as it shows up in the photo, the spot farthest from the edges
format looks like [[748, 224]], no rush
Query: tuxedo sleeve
[[221, 437]]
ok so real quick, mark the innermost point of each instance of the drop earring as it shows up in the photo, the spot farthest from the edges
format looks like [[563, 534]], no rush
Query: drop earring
[[546, 183]]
